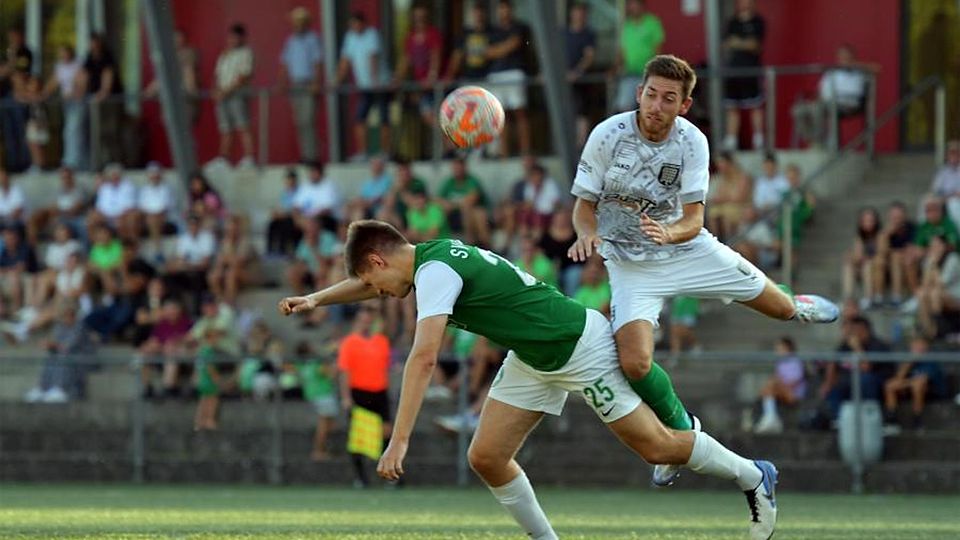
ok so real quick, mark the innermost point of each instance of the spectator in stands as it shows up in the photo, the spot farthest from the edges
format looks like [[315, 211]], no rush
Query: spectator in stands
[[196, 248], [744, 43], [534, 262], [580, 43], [507, 73], [730, 196], [150, 312], [100, 79], [920, 378], [116, 203], [301, 74], [802, 202], [895, 239], [18, 263], [318, 198], [12, 203], [70, 286], [318, 379], [312, 259], [770, 187], [189, 62], [166, 343], [231, 263], [38, 121], [213, 337], [373, 191], [399, 198], [205, 201], [231, 92], [465, 204], [935, 223], [594, 289], [537, 198], [363, 57], [63, 378], [282, 231], [847, 84], [939, 293], [640, 39], [156, 204], [105, 260], [758, 241], [555, 241], [836, 386], [15, 68], [946, 184], [469, 57], [69, 209], [684, 312], [861, 261], [420, 61], [110, 320], [54, 261], [364, 363], [788, 386], [425, 219]]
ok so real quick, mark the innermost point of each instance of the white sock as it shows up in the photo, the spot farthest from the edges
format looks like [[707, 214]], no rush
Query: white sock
[[518, 498], [712, 458], [769, 406]]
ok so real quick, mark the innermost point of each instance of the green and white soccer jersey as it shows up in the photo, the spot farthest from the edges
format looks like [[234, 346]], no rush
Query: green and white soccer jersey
[[556, 345]]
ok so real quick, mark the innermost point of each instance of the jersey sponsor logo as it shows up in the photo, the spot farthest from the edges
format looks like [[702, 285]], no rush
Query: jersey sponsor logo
[[638, 204], [669, 173], [623, 166]]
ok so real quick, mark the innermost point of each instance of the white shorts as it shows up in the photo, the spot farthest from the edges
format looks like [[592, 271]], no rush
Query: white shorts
[[593, 371], [640, 287], [509, 87]]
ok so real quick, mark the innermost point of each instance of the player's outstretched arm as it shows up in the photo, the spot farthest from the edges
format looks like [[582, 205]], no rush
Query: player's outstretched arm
[[417, 374], [585, 223], [347, 291]]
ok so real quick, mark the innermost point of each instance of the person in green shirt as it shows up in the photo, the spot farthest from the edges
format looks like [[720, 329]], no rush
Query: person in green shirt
[[640, 39], [317, 378], [684, 311], [425, 219], [534, 262], [106, 256], [935, 223], [398, 199], [594, 289], [465, 203], [556, 346]]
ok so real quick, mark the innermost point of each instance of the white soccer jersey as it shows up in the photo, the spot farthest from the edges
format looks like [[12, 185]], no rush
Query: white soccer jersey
[[627, 176]]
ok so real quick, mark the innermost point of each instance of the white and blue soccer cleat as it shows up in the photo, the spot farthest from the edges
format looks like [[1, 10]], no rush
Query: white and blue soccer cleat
[[811, 308], [762, 501], [665, 475]]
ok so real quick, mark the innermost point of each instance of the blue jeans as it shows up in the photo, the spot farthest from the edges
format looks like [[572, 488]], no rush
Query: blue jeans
[[74, 135], [60, 372], [13, 119], [110, 321]]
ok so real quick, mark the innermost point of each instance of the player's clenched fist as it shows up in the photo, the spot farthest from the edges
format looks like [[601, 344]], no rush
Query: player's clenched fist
[[296, 304], [583, 248]]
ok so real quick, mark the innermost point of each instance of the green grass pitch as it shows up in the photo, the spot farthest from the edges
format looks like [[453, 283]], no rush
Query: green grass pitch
[[216, 512]]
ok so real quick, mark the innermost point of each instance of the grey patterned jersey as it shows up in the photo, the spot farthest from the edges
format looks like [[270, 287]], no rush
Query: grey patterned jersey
[[627, 176]]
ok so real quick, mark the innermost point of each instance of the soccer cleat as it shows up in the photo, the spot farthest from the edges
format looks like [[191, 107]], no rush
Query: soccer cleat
[[762, 501], [665, 475], [811, 308]]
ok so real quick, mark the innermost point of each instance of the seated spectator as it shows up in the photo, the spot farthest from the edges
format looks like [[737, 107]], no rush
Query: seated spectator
[[312, 259], [111, 320], [861, 258], [892, 246], [373, 191], [594, 289], [216, 328], [54, 260], [231, 264], [788, 386], [187, 271], [425, 219], [204, 200], [17, 263], [116, 203], [730, 197], [151, 311], [282, 232], [63, 378], [939, 293], [318, 198], [946, 184], [770, 187], [397, 200], [256, 376], [465, 204], [156, 204], [555, 242], [12, 202], [534, 262], [70, 207], [684, 312], [758, 241], [836, 386], [69, 287], [105, 260], [318, 377], [536, 199], [921, 379], [166, 342], [935, 223]]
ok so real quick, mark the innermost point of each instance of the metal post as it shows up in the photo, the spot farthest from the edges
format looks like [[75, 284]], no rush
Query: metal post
[[275, 470], [435, 134], [82, 27], [771, 106], [857, 396], [715, 61], [871, 115], [786, 243], [99, 18], [463, 468], [137, 419], [263, 126], [834, 119], [94, 162], [33, 35], [328, 17], [940, 124]]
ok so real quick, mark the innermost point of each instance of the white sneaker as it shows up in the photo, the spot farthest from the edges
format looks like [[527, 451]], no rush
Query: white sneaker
[[438, 393], [247, 163], [55, 395], [665, 475], [762, 501], [769, 424], [459, 423], [34, 395], [218, 162], [811, 308]]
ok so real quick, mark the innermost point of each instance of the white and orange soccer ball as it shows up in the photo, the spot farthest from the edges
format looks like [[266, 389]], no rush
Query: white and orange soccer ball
[[471, 116]]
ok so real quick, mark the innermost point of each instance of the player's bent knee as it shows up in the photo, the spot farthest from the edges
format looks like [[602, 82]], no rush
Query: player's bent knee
[[636, 365], [484, 463]]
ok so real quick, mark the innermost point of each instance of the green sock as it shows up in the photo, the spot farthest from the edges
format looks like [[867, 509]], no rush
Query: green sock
[[657, 392]]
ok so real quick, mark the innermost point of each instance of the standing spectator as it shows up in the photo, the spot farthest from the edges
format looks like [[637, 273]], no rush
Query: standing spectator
[[318, 199], [188, 60], [17, 263], [116, 203], [770, 187], [63, 378], [594, 289], [919, 378], [788, 385], [507, 76], [100, 79], [364, 361], [730, 197], [166, 341], [231, 264], [231, 92], [156, 204], [187, 271], [38, 122], [862, 257], [836, 386], [423, 50], [66, 79], [213, 337], [939, 293], [580, 42], [301, 74], [640, 39], [469, 57], [69, 209], [744, 44], [318, 379], [282, 232], [362, 55], [946, 183], [15, 69], [373, 191], [425, 219], [935, 223], [895, 239], [465, 203], [12, 203]]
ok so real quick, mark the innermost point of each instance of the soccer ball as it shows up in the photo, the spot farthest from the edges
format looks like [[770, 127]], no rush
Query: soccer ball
[[471, 116]]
